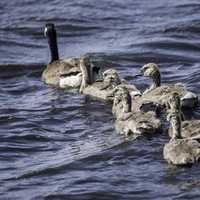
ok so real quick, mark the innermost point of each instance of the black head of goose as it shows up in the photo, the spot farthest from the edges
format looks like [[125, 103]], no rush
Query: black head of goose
[[179, 150], [128, 122], [160, 94]]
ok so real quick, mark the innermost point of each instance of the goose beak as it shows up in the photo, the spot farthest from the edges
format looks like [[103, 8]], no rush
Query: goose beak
[[138, 75]]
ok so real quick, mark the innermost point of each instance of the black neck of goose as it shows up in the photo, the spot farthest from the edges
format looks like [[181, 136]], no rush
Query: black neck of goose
[[52, 40]]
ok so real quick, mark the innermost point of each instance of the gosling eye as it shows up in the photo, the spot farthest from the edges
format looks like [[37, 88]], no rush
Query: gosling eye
[[104, 75]]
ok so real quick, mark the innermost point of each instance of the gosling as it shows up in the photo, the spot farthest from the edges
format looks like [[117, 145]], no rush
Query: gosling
[[104, 89], [159, 94], [132, 123], [179, 151]]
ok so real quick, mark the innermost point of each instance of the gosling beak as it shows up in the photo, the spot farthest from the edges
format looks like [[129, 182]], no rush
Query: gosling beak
[[111, 95], [63, 75]]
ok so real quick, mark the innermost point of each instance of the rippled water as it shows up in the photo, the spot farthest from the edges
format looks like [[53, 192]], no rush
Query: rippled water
[[57, 144]]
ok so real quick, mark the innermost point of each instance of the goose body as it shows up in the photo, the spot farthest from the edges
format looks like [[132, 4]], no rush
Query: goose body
[[158, 95], [128, 122], [63, 73], [73, 81], [104, 89], [180, 150]]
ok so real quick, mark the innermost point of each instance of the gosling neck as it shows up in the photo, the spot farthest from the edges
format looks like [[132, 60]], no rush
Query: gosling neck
[[156, 80], [85, 69], [52, 40], [127, 104], [86, 79], [175, 125]]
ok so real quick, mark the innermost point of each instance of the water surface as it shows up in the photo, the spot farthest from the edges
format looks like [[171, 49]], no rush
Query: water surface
[[56, 144]]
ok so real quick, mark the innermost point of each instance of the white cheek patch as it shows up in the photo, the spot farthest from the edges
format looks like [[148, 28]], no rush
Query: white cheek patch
[[71, 81], [45, 31]]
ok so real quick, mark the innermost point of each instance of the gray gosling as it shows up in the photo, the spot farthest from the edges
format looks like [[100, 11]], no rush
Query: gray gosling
[[189, 128], [65, 73], [104, 89], [159, 94], [132, 123], [179, 151]]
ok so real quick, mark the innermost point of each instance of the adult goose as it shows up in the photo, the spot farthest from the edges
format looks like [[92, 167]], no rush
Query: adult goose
[[159, 95], [179, 150], [132, 123], [63, 73], [104, 89]]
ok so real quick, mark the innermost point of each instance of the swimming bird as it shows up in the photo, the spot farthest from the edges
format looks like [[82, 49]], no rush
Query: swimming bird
[[189, 128], [159, 95], [182, 152], [104, 89], [132, 123], [179, 150], [63, 73]]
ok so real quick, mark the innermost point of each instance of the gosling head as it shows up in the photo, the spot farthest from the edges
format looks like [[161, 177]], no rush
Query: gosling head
[[174, 101], [50, 33], [122, 95], [121, 91], [112, 77], [152, 70]]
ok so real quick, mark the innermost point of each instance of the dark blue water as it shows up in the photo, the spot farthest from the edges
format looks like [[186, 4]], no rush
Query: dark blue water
[[56, 144]]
